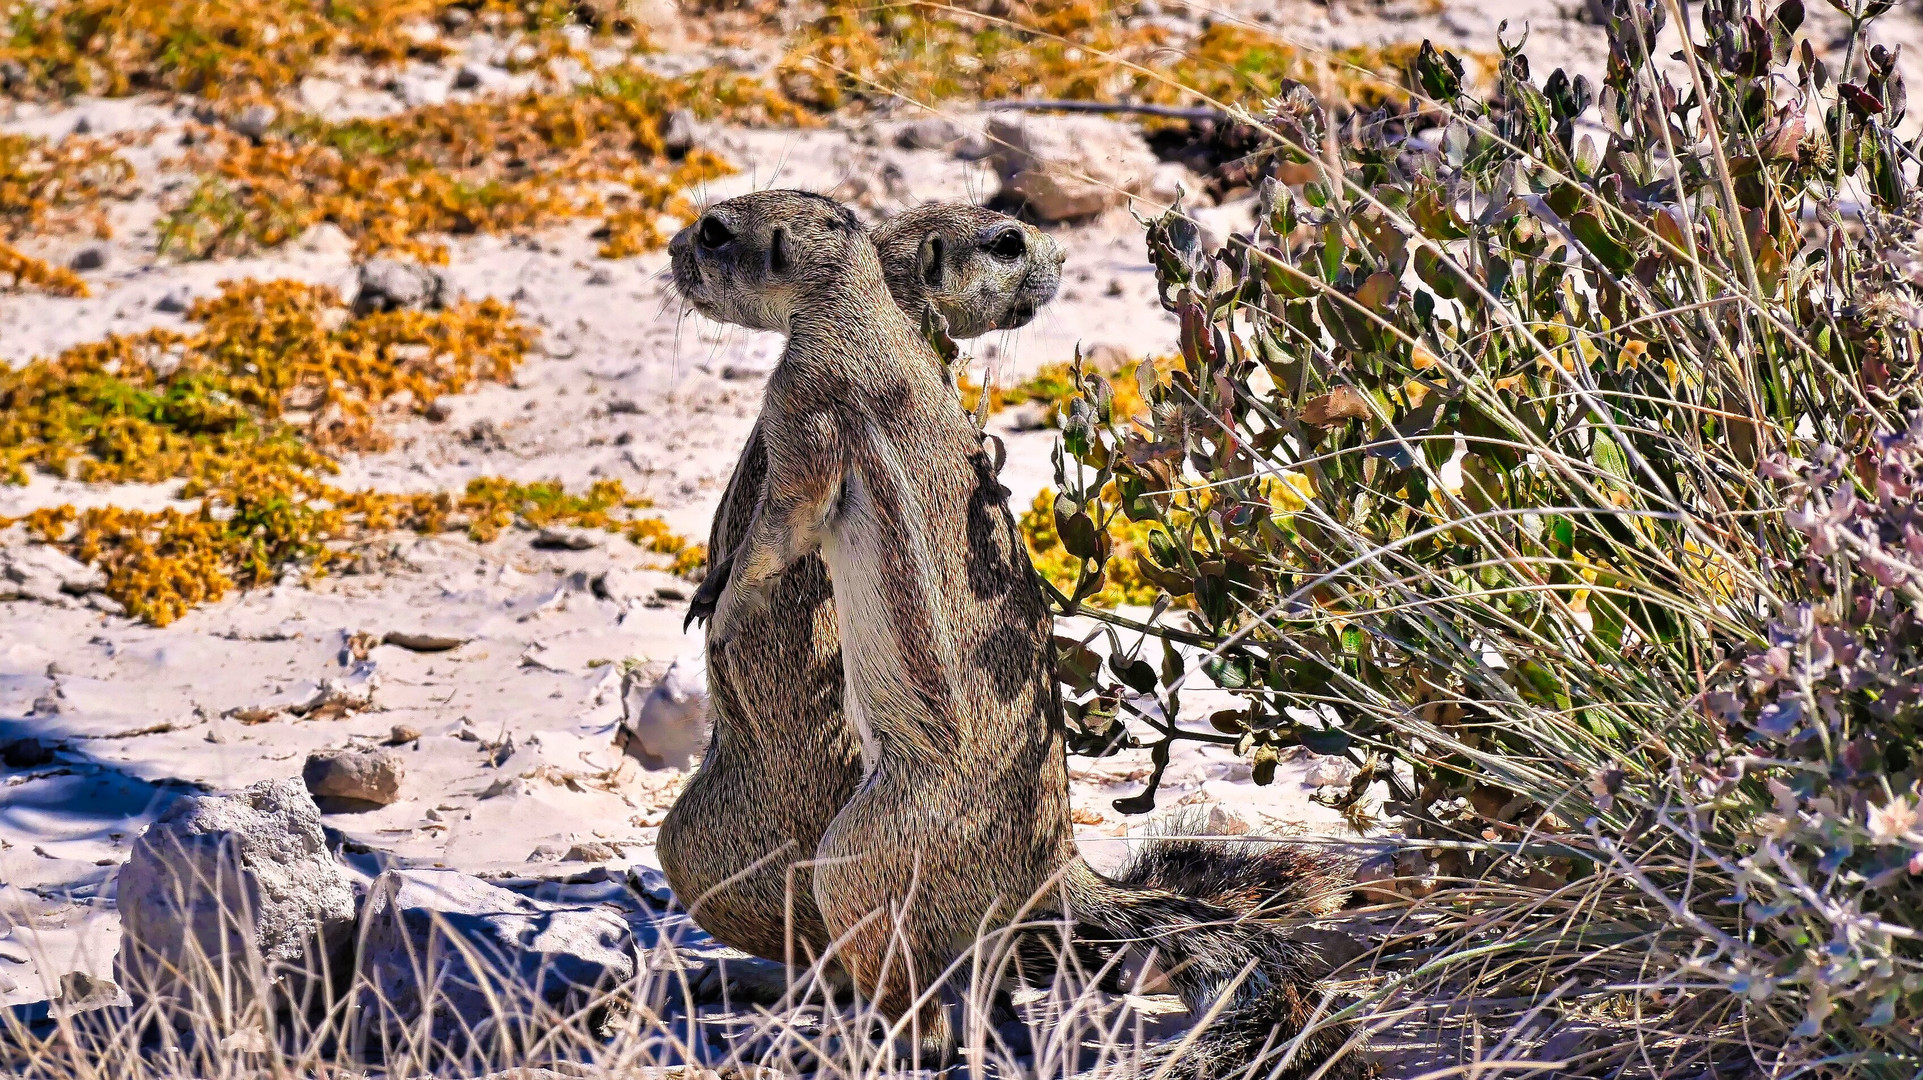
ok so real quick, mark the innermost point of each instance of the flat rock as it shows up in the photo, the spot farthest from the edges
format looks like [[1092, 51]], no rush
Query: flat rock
[[1069, 167], [91, 257], [665, 724], [391, 285], [495, 960], [39, 572], [423, 640], [371, 775], [28, 753], [220, 883], [254, 120], [568, 538]]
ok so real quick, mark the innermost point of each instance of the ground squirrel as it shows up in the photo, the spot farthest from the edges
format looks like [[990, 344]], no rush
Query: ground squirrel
[[961, 815], [781, 761]]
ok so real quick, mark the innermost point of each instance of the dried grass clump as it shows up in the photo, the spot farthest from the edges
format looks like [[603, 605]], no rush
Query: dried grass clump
[[1084, 50], [490, 166], [450, 1000], [249, 411], [231, 49], [1567, 481]]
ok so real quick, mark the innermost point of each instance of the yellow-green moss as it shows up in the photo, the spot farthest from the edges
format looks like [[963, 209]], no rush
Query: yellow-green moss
[[1122, 582], [1086, 50], [226, 49], [55, 186], [18, 270], [248, 410], [1053, 385], [393, 183]]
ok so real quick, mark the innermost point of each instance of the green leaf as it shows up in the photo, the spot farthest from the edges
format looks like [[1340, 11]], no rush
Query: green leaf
[[1609, 457], [1137, 674], [1611, 252], [1328, 740], [1264, 763], [1232, 672], [1439, 73]]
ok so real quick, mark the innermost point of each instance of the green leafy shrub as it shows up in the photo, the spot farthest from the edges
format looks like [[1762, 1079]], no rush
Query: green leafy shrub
[[1485, 409]]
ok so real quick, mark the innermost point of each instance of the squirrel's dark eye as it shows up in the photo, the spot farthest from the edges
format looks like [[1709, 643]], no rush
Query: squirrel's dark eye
[[711, 234], [1008, 245]]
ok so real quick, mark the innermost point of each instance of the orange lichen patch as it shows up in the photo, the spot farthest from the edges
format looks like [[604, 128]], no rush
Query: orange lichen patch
[[490, 166], [18, 270], [227, 49], [1068, 49], [246, 410], [58, 186]]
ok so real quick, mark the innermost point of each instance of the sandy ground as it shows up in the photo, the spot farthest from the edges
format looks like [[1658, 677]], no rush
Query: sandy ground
[[515, 761]]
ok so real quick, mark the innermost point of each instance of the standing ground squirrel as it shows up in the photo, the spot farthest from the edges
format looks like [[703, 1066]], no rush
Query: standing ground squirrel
[[781, 761], [960, 821]]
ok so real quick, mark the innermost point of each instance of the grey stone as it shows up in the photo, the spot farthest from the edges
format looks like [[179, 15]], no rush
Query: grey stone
[[484, 77], [390, 285], [422, 91], [423, 640], [176, 301], [80, 991], [91, 257], [105, 604], [326, 240], [39, 572], [1069, 167], [254, 120], [319, 95], [370, 775], [678, 135], [224, 884], [650, 884], [595, 851], [664, 725], [1330, 770], [473, 959], [27, 753], [569, 538], [929, 133]]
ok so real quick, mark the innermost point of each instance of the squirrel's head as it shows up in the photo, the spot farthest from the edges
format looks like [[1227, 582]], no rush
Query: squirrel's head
[[982, 270], [749, 259]]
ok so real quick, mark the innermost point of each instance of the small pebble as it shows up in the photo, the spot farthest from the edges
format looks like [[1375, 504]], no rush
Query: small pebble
[[91, 257]]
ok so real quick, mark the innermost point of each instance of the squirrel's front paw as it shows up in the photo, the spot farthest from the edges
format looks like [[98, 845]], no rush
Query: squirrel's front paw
[[708, 594], [734, 609]]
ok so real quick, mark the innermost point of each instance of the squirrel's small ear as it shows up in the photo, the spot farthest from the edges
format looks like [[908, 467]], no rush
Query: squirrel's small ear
[[930, 257], [778, 251]]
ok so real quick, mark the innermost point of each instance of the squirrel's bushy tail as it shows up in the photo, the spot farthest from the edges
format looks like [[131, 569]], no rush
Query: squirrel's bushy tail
[[1210, 950], [1245, 875]]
